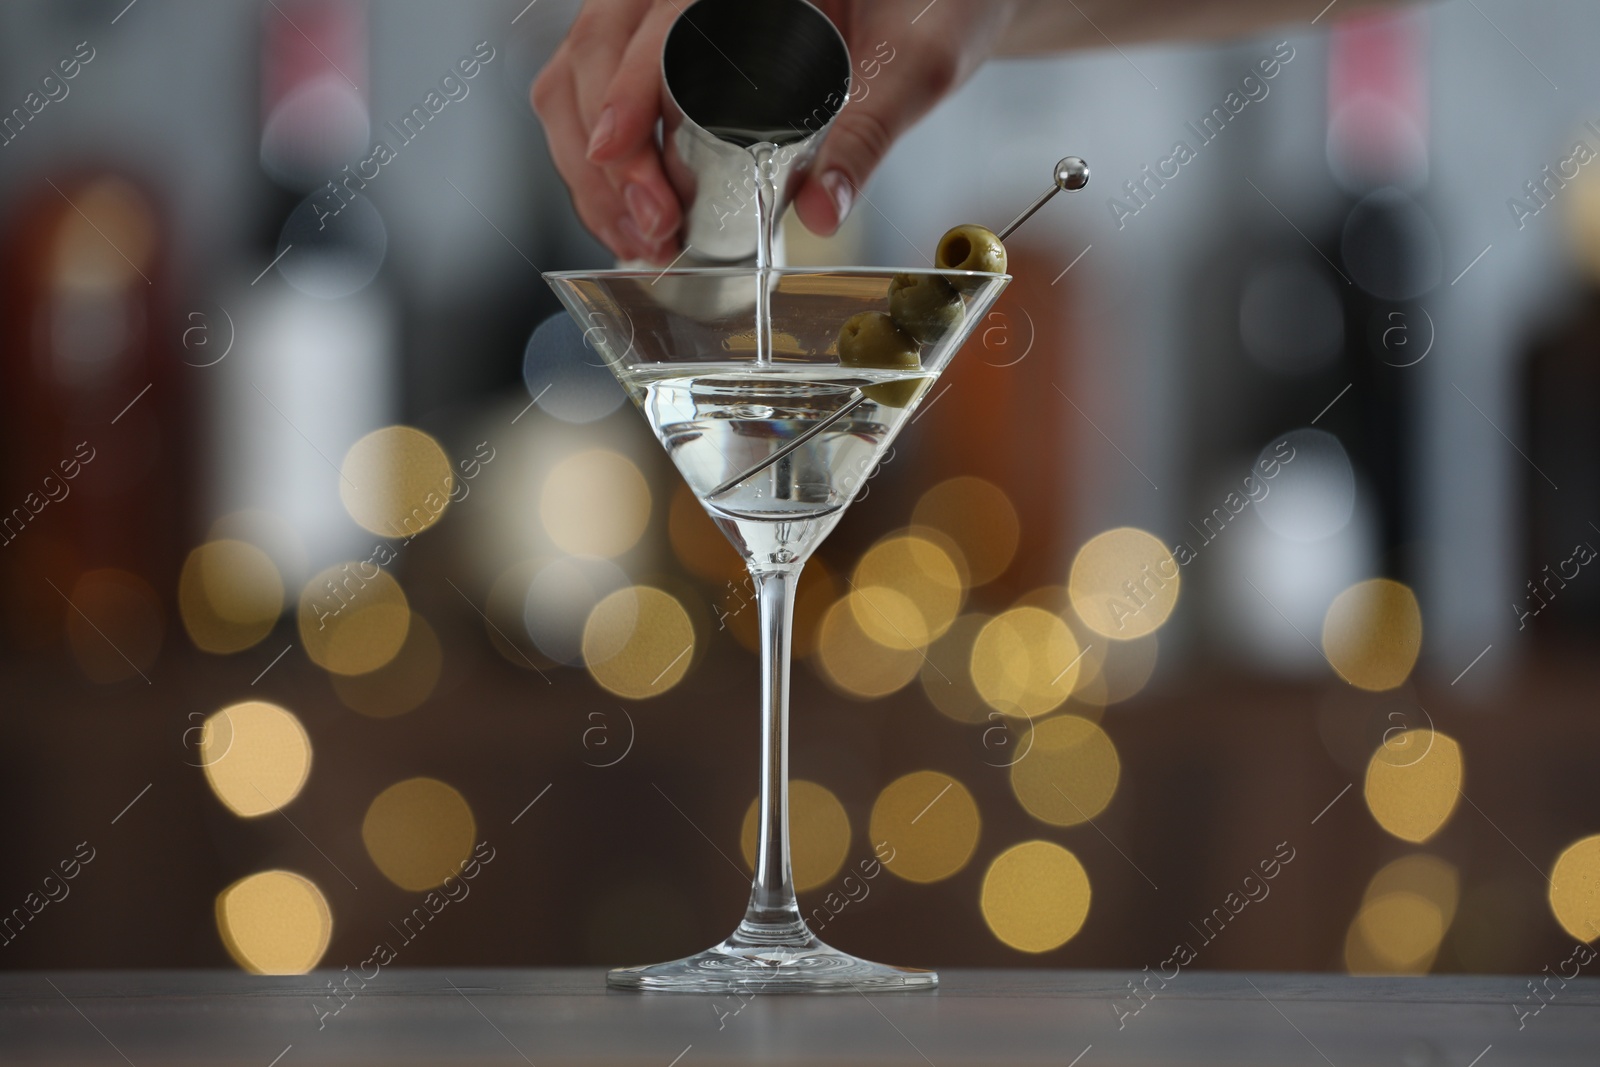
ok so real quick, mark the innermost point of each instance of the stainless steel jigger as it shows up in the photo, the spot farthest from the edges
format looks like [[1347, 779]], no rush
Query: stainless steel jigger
[[735, 73]]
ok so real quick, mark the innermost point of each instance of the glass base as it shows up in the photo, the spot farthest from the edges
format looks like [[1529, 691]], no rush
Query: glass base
[[742, 964]]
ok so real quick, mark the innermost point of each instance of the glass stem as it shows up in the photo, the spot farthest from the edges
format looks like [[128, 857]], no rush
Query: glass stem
[[773, 917]]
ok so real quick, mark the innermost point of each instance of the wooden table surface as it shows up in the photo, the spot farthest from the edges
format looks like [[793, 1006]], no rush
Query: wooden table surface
[[553, 1017]]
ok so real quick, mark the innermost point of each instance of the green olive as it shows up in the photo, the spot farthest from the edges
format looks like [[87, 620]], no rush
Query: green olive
[[871, 340], [896, 394], [970, 247], [926, 306]]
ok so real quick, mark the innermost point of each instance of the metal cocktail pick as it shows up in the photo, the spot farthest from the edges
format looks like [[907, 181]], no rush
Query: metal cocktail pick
[[1071, 174], [793, 444]]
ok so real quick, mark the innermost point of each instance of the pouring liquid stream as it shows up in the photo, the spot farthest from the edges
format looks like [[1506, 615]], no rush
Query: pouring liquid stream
[[766, 224], [777, 451]]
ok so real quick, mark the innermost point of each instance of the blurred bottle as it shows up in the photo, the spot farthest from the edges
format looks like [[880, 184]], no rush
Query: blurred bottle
[[97, 419], [1388, 247], [1559, 597], [1329, 323], [313, 364]]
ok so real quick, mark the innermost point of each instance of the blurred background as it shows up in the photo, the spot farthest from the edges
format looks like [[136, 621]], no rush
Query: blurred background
[[1325, 341]]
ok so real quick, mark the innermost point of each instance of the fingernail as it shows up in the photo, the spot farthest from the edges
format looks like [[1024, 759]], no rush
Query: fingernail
[[843, 193], [637, 241], [646, 212], [603, 131]]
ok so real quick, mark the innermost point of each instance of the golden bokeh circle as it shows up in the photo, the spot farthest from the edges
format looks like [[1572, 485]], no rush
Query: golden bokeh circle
[[229, 596], [396, 482], [402, 684], [946, 673], [910, 592], [353, 618], [1069, 772], [1372, 634], [268, 531], [946, 544], [1035, 896], [1423, 874], [418, 832], [930, 824], [1025, 661], [697, 542], [853, 662], [1406, 910], [890, 618], [981, 520], [595, 503], [274, 922], [1575, 889], [638, 642], [1114, 671], [1124, 583], [256, 756], [1413, 783], [819, 834], [1395, 933]]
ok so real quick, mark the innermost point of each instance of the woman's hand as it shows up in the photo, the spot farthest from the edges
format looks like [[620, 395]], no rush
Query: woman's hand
[[600, 96]]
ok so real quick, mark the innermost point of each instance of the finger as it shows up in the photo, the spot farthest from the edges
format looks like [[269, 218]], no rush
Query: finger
[[657, 251], [629, 155], [595, 45], [925, 67], [633, 90], [859, 139], [597, 204]]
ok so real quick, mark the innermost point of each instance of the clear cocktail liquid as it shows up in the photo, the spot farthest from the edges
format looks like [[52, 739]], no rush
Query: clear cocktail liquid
[[718, 422], [722, 425]]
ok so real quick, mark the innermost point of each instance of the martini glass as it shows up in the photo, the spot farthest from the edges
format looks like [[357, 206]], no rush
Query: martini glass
[[775, 440]]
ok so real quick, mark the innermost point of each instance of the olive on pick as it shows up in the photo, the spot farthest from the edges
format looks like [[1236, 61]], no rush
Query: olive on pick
[[970, 247], [926, 306], [870, 339]]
